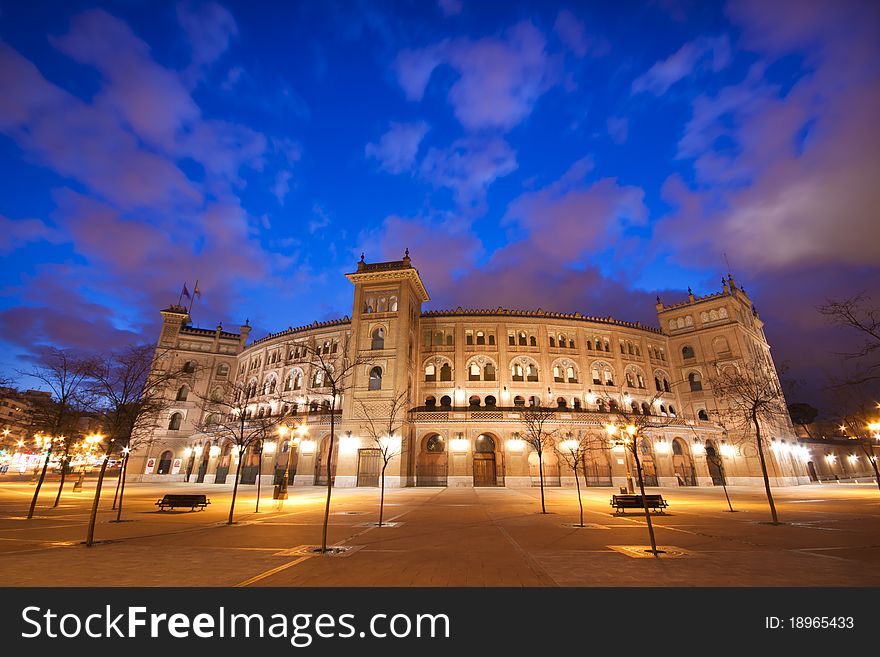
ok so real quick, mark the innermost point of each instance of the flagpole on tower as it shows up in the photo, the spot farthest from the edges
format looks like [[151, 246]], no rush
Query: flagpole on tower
[[196, 293], [182, 292]]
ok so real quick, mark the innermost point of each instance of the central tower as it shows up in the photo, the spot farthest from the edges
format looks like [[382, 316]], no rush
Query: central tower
[[386, 312]]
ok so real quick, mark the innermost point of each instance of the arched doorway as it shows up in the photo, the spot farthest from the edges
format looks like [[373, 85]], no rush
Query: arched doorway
[[682, 465], [203, 464], [713, 460], [164, 462], [811, 469], [646, 458], [550, 463], [321, 462], [484, 461], [223, 464], [432, 461], [251, 466]]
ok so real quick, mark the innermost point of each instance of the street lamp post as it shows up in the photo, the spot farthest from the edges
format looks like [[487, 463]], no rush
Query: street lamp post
[[285, 430]]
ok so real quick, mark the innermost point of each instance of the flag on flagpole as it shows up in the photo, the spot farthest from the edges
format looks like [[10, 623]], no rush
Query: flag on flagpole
[[196, 291], [186, 292]]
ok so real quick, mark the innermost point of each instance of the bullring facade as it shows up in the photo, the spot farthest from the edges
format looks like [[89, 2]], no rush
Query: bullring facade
[[468, 374]]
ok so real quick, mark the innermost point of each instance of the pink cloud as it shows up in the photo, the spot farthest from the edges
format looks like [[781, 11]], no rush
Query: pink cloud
[[15, 233], [450, 7], [210, 29], [396, 150], [468, 167], [798, 185], [500, 79], [571, 32]]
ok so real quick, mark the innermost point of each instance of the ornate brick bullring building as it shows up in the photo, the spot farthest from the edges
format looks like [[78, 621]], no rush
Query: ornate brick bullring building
[[469, 374]]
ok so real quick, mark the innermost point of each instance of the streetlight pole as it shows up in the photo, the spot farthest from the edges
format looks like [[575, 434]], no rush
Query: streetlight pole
[[284, 430]]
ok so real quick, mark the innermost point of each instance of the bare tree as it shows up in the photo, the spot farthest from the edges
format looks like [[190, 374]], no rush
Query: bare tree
[[538, 437], [753, 400], [382, 429], [65, 374], [633, 427], [333, 370], [228, 414], [861, 424], [573, 449], [131, 388], [859, 316]]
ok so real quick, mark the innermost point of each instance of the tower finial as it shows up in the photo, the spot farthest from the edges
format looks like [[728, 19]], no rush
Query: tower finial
[[406, 253], [362, 256]]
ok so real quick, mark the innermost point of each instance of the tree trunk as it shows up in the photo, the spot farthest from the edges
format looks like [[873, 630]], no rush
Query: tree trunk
[[764, 470], [64, 461], [329, 477], [39, 484], [653, 549], [541, 479], [235, 487], [90, 536], [382, 492], [122, 475]]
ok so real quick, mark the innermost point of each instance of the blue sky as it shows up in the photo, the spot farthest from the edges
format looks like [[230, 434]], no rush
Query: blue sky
[[570, 156]]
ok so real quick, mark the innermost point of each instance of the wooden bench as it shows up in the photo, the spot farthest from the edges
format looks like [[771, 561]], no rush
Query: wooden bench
[[622, 502], [191, 501]]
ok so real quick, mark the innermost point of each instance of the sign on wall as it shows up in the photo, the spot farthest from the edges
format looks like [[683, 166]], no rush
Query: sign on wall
[[175, 466], [151, 465]]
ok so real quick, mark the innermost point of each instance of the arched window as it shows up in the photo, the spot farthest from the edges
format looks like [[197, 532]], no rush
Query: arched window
[[446, 401], [532, 373], [313, 407], [663, 410], [560, 402], [534, 401], [375, 379], [431, 401], [446, 372], [222, 370], [489, 372], [392, 306], [430, 372], [676, 447], [516, 372], [182, 393], [552, 341], [695, 382], [703, 415], [665, 385], [571, 374], [378, 338], [481, 337], [635, 407], [629, 379], [519, 400], [533, 341], [687, 352], [600, 405], [325, 406], [562, 341], [557, 374], [491, 339], [646, 408], [609, 377], [613, 405], [522, 338], [174, 421], [596, 379], [435, 444], [474, 400], [189, 367], [490, 400], [577, 403], [474, 372], [672, 410]]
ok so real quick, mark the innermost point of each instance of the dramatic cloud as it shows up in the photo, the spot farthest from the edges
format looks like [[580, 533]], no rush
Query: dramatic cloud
[[210, 28], [499, 79], [15, 233], [397, 149], [705, 53]]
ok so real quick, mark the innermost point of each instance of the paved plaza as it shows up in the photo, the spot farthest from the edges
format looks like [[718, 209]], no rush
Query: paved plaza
[[444, 537]]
